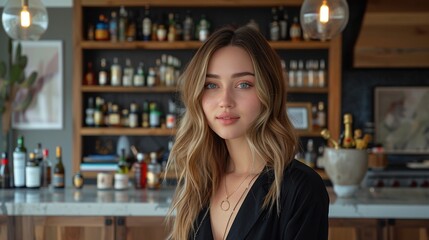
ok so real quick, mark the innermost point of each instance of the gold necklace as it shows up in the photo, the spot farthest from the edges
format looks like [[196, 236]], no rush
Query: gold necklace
[[225, 205], [235, 206]]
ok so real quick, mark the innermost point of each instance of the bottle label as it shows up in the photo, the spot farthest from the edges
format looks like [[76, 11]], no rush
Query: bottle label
[[19, 169], [32, 176], [58, 180], [102, 78], [121, 181]]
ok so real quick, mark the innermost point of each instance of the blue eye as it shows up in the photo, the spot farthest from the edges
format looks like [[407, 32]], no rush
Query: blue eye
[[244, 85], [210, 86]]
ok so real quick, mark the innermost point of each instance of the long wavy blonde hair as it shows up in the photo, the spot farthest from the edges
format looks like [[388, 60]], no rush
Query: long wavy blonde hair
[[199, 155]]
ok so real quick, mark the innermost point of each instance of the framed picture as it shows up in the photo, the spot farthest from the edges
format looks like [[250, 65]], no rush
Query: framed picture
[[402, 119], [299, 114], [46, 109]]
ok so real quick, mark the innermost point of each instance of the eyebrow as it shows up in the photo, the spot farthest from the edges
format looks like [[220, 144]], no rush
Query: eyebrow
[[235, 75]]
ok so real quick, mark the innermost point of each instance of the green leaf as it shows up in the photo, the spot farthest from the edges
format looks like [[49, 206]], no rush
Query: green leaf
[[23, 61], [16, 74], [24, 103], [30, 80], [2, 69]]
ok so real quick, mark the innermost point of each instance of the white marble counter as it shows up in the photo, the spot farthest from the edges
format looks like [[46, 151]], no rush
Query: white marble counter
[[369, 203]]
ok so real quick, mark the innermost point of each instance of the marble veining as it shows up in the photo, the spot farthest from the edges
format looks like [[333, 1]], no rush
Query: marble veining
[[398, 203]]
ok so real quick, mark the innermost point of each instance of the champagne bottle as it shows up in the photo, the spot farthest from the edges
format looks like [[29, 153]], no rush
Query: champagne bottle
[[19, 160], [4, 171], [32, 172], [348, 140], [121, 175], [59, 173], [46, 169]]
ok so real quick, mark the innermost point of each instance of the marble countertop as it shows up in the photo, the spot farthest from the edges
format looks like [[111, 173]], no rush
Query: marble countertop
[[397, 203]]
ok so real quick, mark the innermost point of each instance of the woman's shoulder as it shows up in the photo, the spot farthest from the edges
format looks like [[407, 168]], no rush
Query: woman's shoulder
[[299, 177]]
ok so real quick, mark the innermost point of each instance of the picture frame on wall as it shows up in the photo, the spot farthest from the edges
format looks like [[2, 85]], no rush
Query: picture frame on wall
[[46, 109], [402, 119], [300, 115]]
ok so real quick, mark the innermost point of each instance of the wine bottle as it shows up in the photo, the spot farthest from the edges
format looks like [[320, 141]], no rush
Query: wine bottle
[[59, 173], [4, 171], [32, 172], [121, 175], [19, 160], [46, 169]]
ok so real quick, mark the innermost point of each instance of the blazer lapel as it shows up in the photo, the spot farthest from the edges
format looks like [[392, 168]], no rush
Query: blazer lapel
[[251, 208]]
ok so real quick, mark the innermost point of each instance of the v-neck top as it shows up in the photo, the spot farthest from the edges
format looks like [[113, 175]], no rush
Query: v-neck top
[[304, 207]]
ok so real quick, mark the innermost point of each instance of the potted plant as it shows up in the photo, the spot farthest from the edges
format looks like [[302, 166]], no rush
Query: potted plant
[[13, 80]]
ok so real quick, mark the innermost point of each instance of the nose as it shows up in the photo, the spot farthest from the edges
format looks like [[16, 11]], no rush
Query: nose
[[226, 99]]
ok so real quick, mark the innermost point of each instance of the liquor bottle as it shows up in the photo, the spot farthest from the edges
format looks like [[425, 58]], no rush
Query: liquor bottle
[[295, 30], [127, 78], [348, 140], [154, 115], [89, 75], [203, 29], [161, 33], [138, 79], [310, 155], [151, 77], [292, 78], [322, 74], [178, 27], [59, 173], [188, 27], [147, 25], [89, 113], [131, 31], [98, 112], [32, 172], [121, 175], [4, 171], [114, 116], [145, 114], [300, 74], [125, 118], [283, 23], [170, 118], [123, 23], [321, 114], [115, 73], [163, 69], [274, 26], [46, 169], [171, 35], [113, 27], [103, 75], [101, 29], [19, 161], [39, 153], [133, 118], [140, 172], [153, 172]]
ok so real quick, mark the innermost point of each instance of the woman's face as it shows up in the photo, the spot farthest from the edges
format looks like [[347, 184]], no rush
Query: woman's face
[[229, 100]]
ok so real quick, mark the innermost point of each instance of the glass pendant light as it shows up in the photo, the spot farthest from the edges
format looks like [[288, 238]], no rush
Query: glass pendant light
[[324, 19], [25, 19]]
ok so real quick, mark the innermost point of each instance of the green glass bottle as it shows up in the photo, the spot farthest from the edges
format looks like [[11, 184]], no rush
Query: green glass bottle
[[121, 175]]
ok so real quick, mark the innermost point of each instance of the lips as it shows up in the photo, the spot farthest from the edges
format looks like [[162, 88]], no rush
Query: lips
[[227, 118]]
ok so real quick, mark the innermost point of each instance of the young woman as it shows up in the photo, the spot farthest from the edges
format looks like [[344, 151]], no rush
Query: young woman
[[235, 147]]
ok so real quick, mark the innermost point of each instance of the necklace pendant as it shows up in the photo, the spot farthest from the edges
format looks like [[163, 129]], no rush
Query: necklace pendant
[[225, 205]]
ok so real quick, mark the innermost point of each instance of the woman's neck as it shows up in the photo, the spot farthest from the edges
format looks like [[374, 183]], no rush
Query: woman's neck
[[241, 160]]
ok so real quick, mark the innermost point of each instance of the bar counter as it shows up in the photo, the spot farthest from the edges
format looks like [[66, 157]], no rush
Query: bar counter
[[391, 203]]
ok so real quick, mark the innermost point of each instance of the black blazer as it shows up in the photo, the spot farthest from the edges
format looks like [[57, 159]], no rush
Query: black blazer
[[303, 214]]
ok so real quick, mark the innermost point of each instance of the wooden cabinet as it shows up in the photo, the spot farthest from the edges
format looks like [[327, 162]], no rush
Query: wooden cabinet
[[84, 49]]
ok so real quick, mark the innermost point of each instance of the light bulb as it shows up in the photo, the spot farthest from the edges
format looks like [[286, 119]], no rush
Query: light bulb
[[25, 17], [324, 13], [26, 20], [324, 19]]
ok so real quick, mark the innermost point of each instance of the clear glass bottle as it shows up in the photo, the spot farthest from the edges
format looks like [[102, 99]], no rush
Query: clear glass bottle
[[113, 26], [123, 23], [133, 117], [89, 113], [153, 172], [103, 76], [139, 78], [188, 27], [19, 162], [127, 78], [274, 26], [32, 172], [147, 25], [115, 73]]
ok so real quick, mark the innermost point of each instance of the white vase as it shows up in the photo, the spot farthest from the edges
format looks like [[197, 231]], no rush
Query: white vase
[[346, 168]]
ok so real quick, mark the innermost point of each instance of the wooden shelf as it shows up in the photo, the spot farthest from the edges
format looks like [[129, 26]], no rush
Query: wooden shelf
[[154, 45], [307, 90], [129, 89], [190, 3], [103, 131]]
